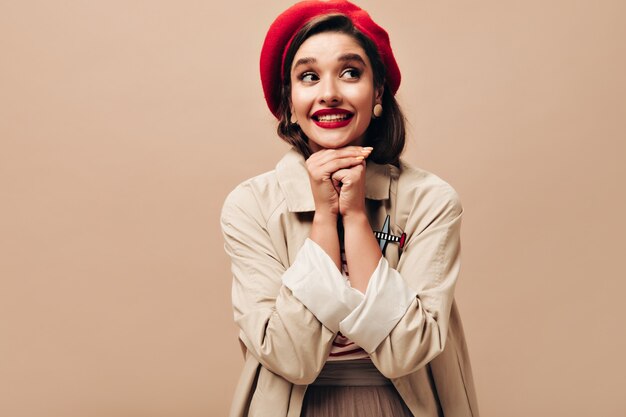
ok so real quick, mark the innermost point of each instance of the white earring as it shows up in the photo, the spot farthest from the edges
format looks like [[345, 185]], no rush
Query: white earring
[[378, 110]]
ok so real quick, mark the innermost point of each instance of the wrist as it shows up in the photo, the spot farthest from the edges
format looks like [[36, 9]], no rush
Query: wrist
[[356, 218], [322, 217], [324, 233]]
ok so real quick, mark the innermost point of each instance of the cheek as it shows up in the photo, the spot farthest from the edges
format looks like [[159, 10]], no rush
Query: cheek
[[300, 100], [361, 98]]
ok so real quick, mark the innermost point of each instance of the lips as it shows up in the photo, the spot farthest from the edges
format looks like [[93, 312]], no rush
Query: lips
[[332, 118]]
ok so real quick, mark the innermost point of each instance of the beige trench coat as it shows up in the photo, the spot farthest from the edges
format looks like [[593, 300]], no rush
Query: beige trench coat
[[265, 221]]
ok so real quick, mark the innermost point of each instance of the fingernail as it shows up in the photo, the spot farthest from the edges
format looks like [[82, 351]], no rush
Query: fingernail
[[360, 158], [368, 149]]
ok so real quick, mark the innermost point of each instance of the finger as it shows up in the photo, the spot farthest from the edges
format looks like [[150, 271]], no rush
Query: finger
[[336, 182], [324, 169], [341, 175], [323, 163], [343, 163], [348, 176], [345, 152], [326, 155], [351, 148]]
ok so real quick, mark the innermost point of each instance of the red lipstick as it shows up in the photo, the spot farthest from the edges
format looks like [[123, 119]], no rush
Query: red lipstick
[[332, 118]]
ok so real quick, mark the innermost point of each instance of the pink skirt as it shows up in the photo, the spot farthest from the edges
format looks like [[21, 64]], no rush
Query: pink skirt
[[352, 389]]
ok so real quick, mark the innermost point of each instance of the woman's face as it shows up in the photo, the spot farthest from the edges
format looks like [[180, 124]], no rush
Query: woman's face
[[332, 90]]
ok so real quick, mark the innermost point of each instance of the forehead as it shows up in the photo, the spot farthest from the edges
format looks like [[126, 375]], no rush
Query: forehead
[[329, 45]]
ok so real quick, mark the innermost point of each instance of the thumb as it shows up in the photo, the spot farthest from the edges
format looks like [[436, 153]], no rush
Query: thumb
[[341, 177]]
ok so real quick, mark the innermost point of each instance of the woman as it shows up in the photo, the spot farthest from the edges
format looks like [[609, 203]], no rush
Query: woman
[[344, 258]]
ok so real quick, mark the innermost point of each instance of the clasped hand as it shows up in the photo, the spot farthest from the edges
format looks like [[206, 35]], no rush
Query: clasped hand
[[337, 179]]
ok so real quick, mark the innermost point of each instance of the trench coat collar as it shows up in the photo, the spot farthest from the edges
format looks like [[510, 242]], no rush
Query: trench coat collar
[[294, 181]]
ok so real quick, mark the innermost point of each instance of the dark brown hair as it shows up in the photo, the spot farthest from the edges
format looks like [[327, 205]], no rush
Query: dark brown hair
[[385, 134]]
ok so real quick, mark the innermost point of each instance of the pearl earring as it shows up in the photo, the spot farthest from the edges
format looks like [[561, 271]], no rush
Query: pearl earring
[[378, 110]]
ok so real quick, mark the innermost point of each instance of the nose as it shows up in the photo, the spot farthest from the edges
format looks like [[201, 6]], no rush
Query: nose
[[329, 92]]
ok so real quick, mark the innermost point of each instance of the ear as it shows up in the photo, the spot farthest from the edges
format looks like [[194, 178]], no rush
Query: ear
[[378, 94], [292, 115], [291, 109]]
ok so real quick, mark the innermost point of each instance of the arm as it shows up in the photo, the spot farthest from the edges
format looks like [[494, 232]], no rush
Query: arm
[[321, 167], [324, 233], [276, 328], [403, 320], [286, 316], [289, 316], [362, 250]]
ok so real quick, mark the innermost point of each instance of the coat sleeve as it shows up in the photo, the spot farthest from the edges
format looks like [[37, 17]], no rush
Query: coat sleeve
[[275, 326], [403, 320]]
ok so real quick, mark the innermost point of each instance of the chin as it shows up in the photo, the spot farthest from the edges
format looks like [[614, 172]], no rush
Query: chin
[[330, 143]]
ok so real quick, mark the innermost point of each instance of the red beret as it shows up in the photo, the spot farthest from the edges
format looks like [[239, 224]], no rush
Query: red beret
[[287, 24]]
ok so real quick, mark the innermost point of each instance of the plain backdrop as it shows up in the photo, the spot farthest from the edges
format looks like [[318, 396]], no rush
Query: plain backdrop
[[124, 124]]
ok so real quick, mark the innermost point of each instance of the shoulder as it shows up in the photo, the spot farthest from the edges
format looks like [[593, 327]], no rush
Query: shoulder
[[416, 181], [426, 194], [257, 197]]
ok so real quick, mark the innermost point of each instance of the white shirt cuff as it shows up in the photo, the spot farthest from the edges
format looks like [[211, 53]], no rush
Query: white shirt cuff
[[386, 300], [315, 281]]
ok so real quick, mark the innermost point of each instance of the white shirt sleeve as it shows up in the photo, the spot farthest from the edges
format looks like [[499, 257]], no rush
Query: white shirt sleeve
[[314, 279], [366, 318], [386, 300]]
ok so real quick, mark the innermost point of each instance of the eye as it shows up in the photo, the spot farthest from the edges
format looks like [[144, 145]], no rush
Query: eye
[[351, 73], [308, 77]]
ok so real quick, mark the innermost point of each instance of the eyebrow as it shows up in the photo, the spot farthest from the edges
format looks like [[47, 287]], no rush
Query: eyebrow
[[305, 61], [352, 57], [343, 58]]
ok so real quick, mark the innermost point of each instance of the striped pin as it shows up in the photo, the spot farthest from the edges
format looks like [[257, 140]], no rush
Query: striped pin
[[385, 237]]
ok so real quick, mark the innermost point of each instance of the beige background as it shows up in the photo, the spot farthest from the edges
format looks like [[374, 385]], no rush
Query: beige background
[[123, 125]]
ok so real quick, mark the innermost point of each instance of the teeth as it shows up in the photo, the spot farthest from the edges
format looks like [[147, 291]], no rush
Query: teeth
[[332, 117]]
